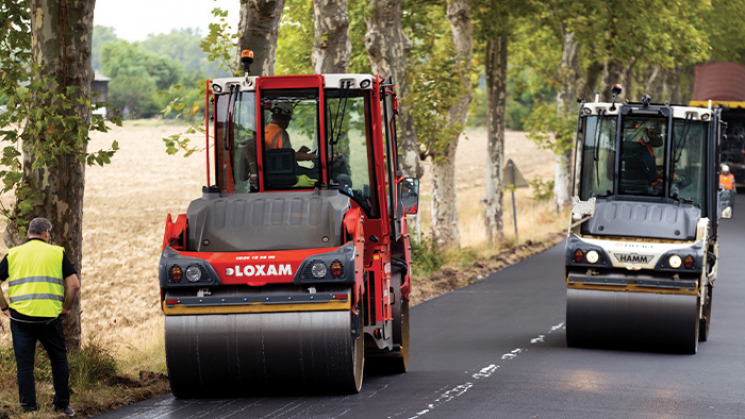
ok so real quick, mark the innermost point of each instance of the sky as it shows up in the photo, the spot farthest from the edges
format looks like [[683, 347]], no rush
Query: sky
[[134, 20]]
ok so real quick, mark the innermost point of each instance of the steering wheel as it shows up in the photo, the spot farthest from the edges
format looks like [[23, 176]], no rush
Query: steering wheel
[[682, 180]]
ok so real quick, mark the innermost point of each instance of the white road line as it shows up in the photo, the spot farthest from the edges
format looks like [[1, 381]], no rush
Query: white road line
[[484, 372]]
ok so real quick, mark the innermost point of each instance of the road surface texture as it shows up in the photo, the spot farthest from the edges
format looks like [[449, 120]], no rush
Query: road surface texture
[[497, 349]]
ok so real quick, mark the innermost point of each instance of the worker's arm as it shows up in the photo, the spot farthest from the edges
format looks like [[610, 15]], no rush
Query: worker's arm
[[4, 275], [304, 154], [72, 290], [4, 304]]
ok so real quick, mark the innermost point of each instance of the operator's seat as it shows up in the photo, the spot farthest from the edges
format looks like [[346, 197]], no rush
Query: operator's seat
[[635, 176], [281, 168]]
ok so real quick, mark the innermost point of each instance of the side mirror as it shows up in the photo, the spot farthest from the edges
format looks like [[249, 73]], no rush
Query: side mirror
[[410, 194]]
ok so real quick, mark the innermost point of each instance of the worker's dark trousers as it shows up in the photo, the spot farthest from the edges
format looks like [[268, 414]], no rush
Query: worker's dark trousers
[[51, 336]]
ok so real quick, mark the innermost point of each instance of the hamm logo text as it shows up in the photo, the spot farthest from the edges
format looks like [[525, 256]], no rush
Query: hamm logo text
[[633, 258]]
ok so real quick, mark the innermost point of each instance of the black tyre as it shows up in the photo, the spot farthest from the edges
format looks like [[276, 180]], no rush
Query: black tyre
[[400, 325], [397, 360], [703, 329], [358, 357]]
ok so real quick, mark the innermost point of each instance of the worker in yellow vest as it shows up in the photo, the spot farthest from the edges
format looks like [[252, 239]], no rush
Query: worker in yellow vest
[[42, 286]]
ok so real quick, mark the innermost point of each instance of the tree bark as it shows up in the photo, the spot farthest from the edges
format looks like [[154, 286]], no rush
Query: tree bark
[[332, 46], [61, 43], [562, 179], [565, 98], [612, 74], [445, 231], [654, 83], [496, 87], [388, 49], [686, 77], [258, 28], [672, 84], [589, 83]]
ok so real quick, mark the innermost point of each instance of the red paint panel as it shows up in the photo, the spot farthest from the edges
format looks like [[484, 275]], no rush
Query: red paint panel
[[173, 230], [256, 268], [290, 82]]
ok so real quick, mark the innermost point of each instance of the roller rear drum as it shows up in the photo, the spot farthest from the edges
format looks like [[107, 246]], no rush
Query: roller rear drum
[[242, 354], [641, 319]]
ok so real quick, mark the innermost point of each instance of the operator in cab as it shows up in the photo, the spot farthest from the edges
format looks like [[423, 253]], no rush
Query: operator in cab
[[641, 157], [651, 139], [276, 135]]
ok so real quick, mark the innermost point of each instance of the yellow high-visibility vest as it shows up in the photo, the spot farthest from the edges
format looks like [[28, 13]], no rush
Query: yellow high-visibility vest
[[35, 285]]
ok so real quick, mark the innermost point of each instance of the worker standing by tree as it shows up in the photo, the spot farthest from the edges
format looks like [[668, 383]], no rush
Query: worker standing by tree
[[43, 286]]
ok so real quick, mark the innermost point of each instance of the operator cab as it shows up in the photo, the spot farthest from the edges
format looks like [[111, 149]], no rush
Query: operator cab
[[645, 152], [316, 134]]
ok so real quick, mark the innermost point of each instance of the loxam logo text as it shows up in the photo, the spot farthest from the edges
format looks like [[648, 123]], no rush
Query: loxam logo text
[[633, 258], [259, 270]]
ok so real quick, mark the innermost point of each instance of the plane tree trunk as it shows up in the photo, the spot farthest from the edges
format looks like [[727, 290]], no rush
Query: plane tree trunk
[[332, 47], [258, 28], [445, 231], [569, 70], [53, 181], [388, 49], [496, 87]]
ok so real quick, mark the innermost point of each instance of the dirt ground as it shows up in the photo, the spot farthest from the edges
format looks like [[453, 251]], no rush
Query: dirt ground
[[125, 209]]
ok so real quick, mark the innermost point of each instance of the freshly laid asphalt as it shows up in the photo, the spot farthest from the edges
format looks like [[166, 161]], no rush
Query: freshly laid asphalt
[[497, 349]]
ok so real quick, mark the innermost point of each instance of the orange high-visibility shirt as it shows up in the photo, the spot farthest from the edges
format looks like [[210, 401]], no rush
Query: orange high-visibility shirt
[[727, 181], [274, 136]]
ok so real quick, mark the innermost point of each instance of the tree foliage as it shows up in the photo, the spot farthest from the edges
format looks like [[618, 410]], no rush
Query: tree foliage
[[101, 36], [295, 41], [184, 46], [625, 40], [434, 77], [722, 22], [185, 100], [136, 77], [41, 114]]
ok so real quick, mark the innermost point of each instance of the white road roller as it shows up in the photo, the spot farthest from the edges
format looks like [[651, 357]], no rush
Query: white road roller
[[641, 252]]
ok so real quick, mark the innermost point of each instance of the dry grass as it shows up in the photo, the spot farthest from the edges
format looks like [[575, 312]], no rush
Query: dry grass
[[124, 216], [531, 161], [538, 226]]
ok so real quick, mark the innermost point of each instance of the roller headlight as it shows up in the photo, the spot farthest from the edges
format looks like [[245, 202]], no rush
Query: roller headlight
[[319, 269], [675, 261], [193, 274], [592, 256]]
